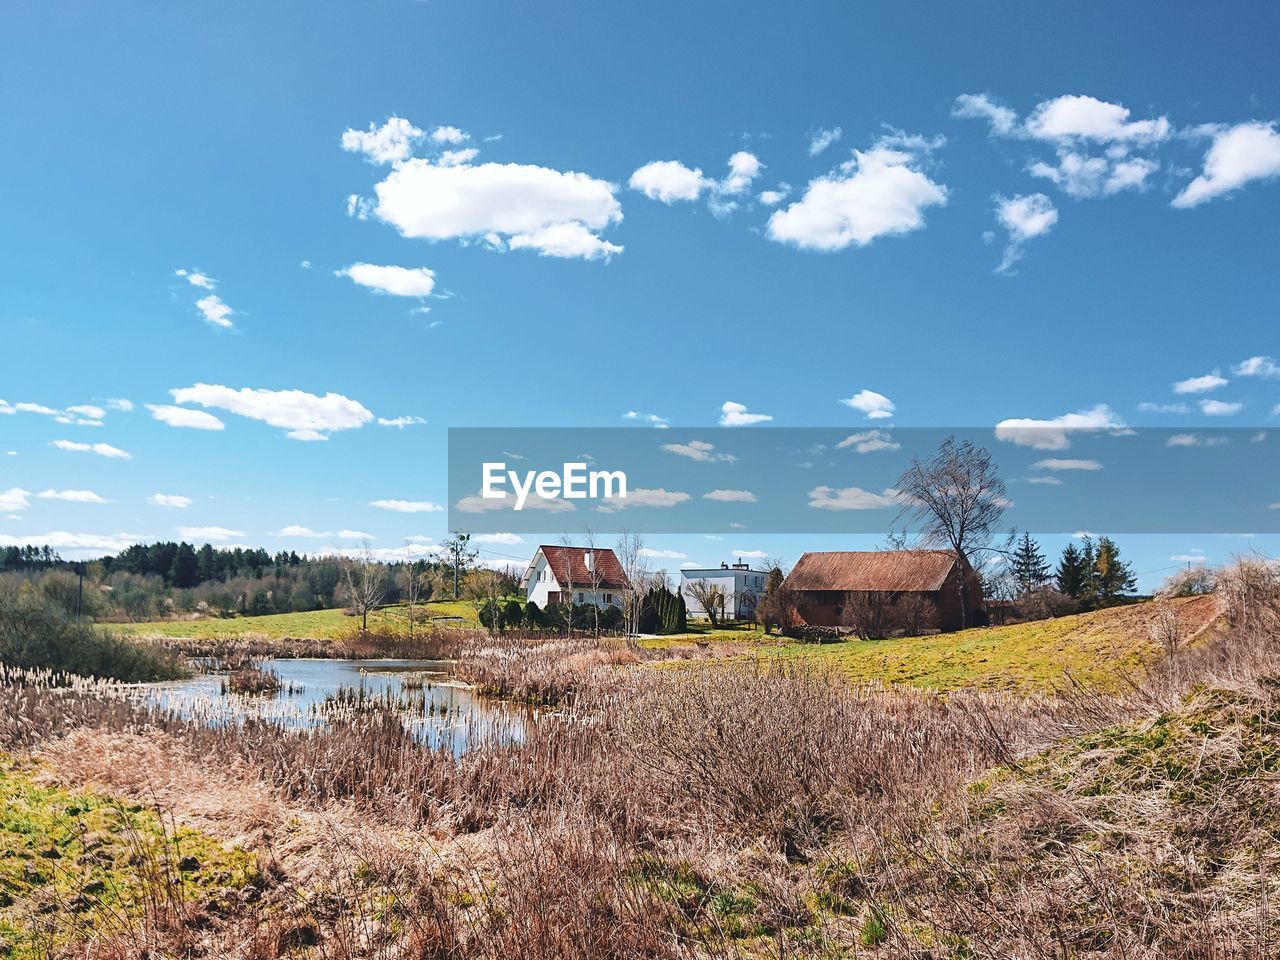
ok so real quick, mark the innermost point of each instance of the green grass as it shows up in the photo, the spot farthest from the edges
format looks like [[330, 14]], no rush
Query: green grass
[[1096, 648], [313, 624], [74, 863]]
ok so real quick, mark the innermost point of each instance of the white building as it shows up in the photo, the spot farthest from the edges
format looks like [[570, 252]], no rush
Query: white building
[[574, 575], [742, 588]]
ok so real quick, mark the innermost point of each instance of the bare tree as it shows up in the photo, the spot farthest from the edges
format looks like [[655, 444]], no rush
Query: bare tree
[[958, 499], [630, 551], [412, 587], [566, 588], [594, 577], [486, 589], [364, 585], [461, 555], [708, 595]]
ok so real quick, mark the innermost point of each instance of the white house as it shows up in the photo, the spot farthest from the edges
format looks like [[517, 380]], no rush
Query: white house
[[574, 575], [742, 588]]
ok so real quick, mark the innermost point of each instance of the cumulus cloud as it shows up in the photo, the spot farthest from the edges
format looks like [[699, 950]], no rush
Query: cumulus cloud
[[80, 415], [522, 206], [1084, 118], [1257, 367], [641, 497], [852, 498], [1054, 433], [196, 278], [14, 499], [869, 441], [65, 541], [823, 139], [877, 193], [1220, 408], [502, 539], [1147, 407], [1194, 440], [1024, 217], [876, 406], [451, 135], [296, 530], [652, 418], [185, 417], [397, 281], [736, 415], [981, 106], [213, 534], [771, 198], [1238, 155], [215, 312], [482, 504], [117, 403], [698, 450], [1210, 381], [663, 554], [730, 496], [744, 168], [101, 449], [1084, 177], [171, 500], [72, 496], [391, 142], [668, 181], [306, 416], [407, 506]]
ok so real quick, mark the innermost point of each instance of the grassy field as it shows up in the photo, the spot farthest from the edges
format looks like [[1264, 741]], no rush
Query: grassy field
[[1096, 648], [315, 624]]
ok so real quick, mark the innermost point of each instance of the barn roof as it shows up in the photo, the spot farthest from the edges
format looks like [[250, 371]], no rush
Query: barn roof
[[909, 571], [569, 565]]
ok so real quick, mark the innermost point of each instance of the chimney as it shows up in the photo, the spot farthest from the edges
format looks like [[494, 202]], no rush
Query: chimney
[[589, 559]]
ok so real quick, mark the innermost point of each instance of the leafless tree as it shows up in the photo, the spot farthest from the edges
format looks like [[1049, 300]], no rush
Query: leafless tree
[[566, 588], [594, 577], [460, 555], [412, 588], [710, 596], [486, 589], [958, 499], [630, 551], [363, 585]]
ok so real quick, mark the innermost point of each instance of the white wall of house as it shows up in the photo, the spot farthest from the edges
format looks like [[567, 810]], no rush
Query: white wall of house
[[742, 587], [541, 583]]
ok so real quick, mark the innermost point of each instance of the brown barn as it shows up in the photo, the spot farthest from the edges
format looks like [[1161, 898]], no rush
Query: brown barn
[[827, 585]]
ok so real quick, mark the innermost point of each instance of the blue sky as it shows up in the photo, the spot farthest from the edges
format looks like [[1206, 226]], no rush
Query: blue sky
[[1139, 247]]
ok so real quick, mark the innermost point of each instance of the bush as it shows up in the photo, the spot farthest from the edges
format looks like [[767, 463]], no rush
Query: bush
[[36, 633], [532, 617], [1192, 582], [512, 615]]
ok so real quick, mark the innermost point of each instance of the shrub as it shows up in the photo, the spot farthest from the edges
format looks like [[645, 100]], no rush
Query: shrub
[[532, 617], [37, 634], [512, 614]]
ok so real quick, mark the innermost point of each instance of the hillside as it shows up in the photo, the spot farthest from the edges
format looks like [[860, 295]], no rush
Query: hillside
[[1096, 648]]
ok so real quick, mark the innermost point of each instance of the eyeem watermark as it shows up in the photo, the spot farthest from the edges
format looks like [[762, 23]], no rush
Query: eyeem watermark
[[573, 482]]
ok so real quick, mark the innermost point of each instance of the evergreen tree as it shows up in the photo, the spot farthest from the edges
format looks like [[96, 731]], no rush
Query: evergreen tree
[[1028, 566], [1112, 577], [1070, 576], [185, 570]]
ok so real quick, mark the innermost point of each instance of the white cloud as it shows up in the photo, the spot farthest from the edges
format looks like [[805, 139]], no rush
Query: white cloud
[[197, 279], [391, 142], [640, 497], [456, 158], [869, 441], [397, 281], [306, 416], [1220, 408], [1024, 217], [1237, 156], [750, 554], [184, 417], [481, 504], [124, 406], [531, 207], [101, 449], [663, 554], [1210, 381], [980, 106], [881, 192], [296, 530], [653, 418], [171, 500], [852, 498], [823, 139], [730, 496], [1054, 433], [14, 499], [87, 411], [1084, 177], [1194, 440], [1257, 367], [1051, 480], [1147, 407], [1055, 463], [407, 506], [215, 312], [698, 450], [80, 415], [450, 135], [401, 422], [72, 496], [771, 198], [669, 181], [503, 539], [1084, 118], [736, 415], [211, 534], [744, 168], [876, 406], [63, 540]]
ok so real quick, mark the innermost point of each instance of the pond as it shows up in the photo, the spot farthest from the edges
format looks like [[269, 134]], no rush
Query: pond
[[439, 712]]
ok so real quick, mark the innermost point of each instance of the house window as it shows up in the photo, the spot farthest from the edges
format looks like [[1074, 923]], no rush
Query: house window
[[608, 598], [579, 597]]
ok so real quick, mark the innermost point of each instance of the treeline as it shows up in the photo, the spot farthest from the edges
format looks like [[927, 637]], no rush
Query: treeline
[[1087, 577], [166, 579]]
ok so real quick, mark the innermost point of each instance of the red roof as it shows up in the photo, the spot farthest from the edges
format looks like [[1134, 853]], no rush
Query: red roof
[[909, 571], [569, 565]]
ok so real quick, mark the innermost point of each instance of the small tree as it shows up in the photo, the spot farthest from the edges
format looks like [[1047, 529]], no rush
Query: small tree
[[1070, 576], [460, 556], [412, 589], [512, 614], [1113, 578], [532, 617], [1028, 566], [363, 585], [631, 555], [710, 597], [484, 590], [777, 606]]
